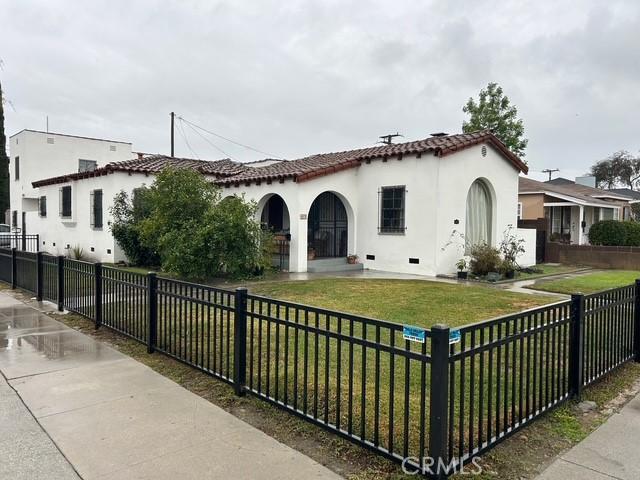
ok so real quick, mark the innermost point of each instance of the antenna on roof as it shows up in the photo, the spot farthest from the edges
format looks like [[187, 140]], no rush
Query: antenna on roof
[[550, 171], [388, 139]]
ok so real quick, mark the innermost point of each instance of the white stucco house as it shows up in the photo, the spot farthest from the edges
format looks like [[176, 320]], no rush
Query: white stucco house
[[35, 155], [396, 206]]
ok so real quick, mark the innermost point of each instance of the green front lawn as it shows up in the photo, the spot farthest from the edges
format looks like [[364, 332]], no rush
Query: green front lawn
[[415, 302], [591, 282]]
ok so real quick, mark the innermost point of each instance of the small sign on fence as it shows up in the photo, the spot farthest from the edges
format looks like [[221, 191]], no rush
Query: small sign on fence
[[413, 334], [454, 336]]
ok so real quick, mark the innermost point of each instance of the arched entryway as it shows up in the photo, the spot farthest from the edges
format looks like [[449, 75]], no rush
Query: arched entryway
[[327, 227], [479, 215], [275, 215]]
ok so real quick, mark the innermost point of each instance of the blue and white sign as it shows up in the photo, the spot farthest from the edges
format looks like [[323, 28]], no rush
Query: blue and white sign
[[454, 336], [413, 334]]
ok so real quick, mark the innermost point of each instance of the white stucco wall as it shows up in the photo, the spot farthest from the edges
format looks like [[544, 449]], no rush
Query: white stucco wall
[[56, 233], [40, 159], [435, 198], [436, 195]]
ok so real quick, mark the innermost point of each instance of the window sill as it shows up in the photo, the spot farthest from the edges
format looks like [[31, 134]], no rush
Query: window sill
[[393, 233]]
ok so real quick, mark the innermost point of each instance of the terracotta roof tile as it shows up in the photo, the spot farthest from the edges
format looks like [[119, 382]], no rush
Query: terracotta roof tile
[[152, 164], [228, 172], [327, 163]]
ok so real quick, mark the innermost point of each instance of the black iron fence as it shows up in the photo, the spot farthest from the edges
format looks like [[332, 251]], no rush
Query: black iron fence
[[20, 241], [430, 398]]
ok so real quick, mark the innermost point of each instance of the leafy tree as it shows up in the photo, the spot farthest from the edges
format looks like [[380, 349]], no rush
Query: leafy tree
[[197, 233], [128, 214], [494, 111], [619, 168], [4, 164]]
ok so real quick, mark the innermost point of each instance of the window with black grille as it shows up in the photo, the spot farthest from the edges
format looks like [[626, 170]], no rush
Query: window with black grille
[[65, 202], [392, 204], [96, 209], [42, 206], [17, 168]]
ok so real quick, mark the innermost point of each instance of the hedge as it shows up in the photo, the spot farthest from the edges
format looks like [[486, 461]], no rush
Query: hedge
[[615, 233]]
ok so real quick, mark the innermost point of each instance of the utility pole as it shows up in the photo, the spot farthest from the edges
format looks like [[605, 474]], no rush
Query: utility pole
[[550, 171], [173, 116]]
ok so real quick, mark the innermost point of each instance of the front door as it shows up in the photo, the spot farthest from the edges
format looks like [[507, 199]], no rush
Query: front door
[[327, 227]]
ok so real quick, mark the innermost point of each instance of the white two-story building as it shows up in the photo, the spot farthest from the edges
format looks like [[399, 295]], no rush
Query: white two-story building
[[34, 155]]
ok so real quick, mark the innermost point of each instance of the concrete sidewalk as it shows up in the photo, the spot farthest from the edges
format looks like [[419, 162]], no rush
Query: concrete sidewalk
[[609, 452], [114, 418]]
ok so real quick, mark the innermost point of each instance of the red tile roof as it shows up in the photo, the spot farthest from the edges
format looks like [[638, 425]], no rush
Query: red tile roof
[[228, 172], [327, 163], [152, 164]]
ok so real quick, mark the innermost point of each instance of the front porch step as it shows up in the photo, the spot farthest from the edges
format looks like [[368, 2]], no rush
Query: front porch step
[[323, 265]]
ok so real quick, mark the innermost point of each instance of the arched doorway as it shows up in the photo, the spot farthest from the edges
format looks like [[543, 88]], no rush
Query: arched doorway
[[479, 216], [275, 215], [327, 227]]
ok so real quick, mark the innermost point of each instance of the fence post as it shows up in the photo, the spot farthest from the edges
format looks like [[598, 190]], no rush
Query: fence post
[[240, 341], [152, 311], [98, 293], [439, 394], [576, 346], [636, 322], [39, 275], [14, 269], [61, 283], [24, 241], [37, 242]]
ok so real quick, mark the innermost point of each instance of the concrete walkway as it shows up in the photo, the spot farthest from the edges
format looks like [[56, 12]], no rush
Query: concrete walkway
[[609, 452], [114, 418]]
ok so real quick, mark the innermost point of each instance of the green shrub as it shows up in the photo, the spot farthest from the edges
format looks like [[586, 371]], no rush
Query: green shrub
[[615, 233], [484, 259], [633, 234], [128, 214], [197, 234]]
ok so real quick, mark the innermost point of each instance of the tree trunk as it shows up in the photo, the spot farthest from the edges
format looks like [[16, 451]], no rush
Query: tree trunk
[[4, 165]]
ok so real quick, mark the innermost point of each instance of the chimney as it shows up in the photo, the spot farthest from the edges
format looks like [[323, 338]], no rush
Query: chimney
[[587, 181], [140, 155]]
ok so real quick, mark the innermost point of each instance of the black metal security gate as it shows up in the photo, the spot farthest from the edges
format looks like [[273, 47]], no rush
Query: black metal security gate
[[327, 226]]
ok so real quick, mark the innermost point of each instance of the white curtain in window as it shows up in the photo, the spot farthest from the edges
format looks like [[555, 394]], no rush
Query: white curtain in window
[[478, 224]]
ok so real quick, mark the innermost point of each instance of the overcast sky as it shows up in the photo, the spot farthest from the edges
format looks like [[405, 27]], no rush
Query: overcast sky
[[293, 78]]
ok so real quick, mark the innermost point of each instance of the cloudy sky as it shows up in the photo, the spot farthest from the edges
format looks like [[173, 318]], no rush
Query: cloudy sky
[[297, 77]]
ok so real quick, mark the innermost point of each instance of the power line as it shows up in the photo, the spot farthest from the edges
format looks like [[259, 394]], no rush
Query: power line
[[229, 140], [206, 139], [184, 136]]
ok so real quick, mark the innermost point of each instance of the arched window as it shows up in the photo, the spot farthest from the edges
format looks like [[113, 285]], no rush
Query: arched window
[[479, 208]]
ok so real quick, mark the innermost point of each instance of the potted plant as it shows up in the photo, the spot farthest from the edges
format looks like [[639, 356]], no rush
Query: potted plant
[[508, 269], [352, 259], [311, 253], [462, 266]]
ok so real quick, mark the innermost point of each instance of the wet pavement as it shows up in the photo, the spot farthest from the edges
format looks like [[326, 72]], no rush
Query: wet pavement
[[113, 417], [26, 451]]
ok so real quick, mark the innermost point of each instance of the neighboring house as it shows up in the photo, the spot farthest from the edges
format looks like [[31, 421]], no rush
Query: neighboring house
[[398, 207], [568, 208], [34, 155]]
